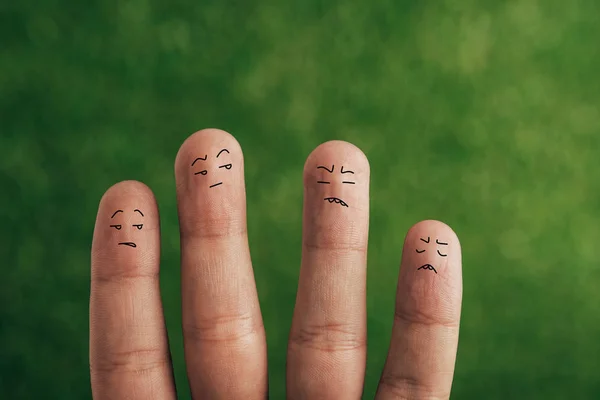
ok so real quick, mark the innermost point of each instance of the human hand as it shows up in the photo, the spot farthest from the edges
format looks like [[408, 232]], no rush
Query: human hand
[[224, 337]]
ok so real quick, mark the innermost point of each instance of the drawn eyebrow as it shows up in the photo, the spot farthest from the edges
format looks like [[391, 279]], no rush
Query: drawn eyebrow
[[200, 158], [438, 242], [118, 211], [222, 151], [138, 211], [346, 172], [325, 168], [426, 241]]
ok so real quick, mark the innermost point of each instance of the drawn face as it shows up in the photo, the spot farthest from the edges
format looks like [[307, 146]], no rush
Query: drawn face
[[440, 252], [204, 171], [117, 226], [333, 199]]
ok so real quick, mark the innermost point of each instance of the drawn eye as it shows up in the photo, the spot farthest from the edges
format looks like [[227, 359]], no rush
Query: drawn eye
[[352, 183], [443, 255], [226, 166], [420, 251], [139, 226], [204, 172], [324, 182], [117, 227]]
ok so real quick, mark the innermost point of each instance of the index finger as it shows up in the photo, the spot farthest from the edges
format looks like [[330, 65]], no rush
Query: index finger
[[224, 336]]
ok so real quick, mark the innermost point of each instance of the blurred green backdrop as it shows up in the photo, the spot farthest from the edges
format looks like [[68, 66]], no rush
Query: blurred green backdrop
[[484, 114]]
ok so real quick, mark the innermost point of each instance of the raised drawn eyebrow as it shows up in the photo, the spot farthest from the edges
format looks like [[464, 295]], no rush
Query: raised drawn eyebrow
[[222, 151], [438, 242], [118, 211], [326, 169], [346, 172], [138, 211], [426, 241], [200, 158]]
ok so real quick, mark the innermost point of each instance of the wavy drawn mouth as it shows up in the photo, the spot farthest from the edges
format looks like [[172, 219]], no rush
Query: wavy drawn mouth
[[336, 200], [130, 244], [427, 266]]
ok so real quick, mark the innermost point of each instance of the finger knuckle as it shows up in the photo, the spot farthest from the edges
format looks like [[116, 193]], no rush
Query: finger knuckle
[[329, 337], [417, 316], [222, 328], [404, 387], [137, 360]]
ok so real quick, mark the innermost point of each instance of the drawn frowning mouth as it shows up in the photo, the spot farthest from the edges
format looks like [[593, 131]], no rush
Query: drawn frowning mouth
[[336, 200], [130, 244], [427, 266]]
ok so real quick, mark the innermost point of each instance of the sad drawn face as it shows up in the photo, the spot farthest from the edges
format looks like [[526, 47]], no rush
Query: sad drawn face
[[428, 266]]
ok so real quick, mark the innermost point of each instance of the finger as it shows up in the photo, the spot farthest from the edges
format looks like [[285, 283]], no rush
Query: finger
[[327, 346], [129, 352], [420, 363], [224, 337]]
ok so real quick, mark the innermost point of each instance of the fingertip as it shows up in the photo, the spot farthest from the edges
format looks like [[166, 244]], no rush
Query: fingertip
[[127, 227], [432, 248], [125, 195], [337, 153], [433, 228], [203, 143], [336, 195], [209, 174], [127, 188]]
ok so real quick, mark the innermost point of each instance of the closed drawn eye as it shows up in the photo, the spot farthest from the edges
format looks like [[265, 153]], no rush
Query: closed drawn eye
[[139, 226], [421, 251], [203, 172], [324, 182], [117, 227], [443, 255], [226, 166], [352, 183]]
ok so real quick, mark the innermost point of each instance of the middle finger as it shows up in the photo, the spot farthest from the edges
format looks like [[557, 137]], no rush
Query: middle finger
[[224, 337]]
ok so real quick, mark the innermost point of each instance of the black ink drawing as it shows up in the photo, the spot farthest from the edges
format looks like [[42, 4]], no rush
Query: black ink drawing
[[333, 199], [119, 226], [429, 266], [336, 200], [205, 171]]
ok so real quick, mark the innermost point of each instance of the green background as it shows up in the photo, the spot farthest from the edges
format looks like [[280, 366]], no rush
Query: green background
[[484, 114]]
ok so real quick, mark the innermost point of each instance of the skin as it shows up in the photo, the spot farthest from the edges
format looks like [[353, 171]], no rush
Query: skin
[[224, 337]]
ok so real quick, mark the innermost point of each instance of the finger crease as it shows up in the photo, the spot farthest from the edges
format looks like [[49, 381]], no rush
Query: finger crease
[[223, 328], [329, 338], [420, 318], [405, 387]]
